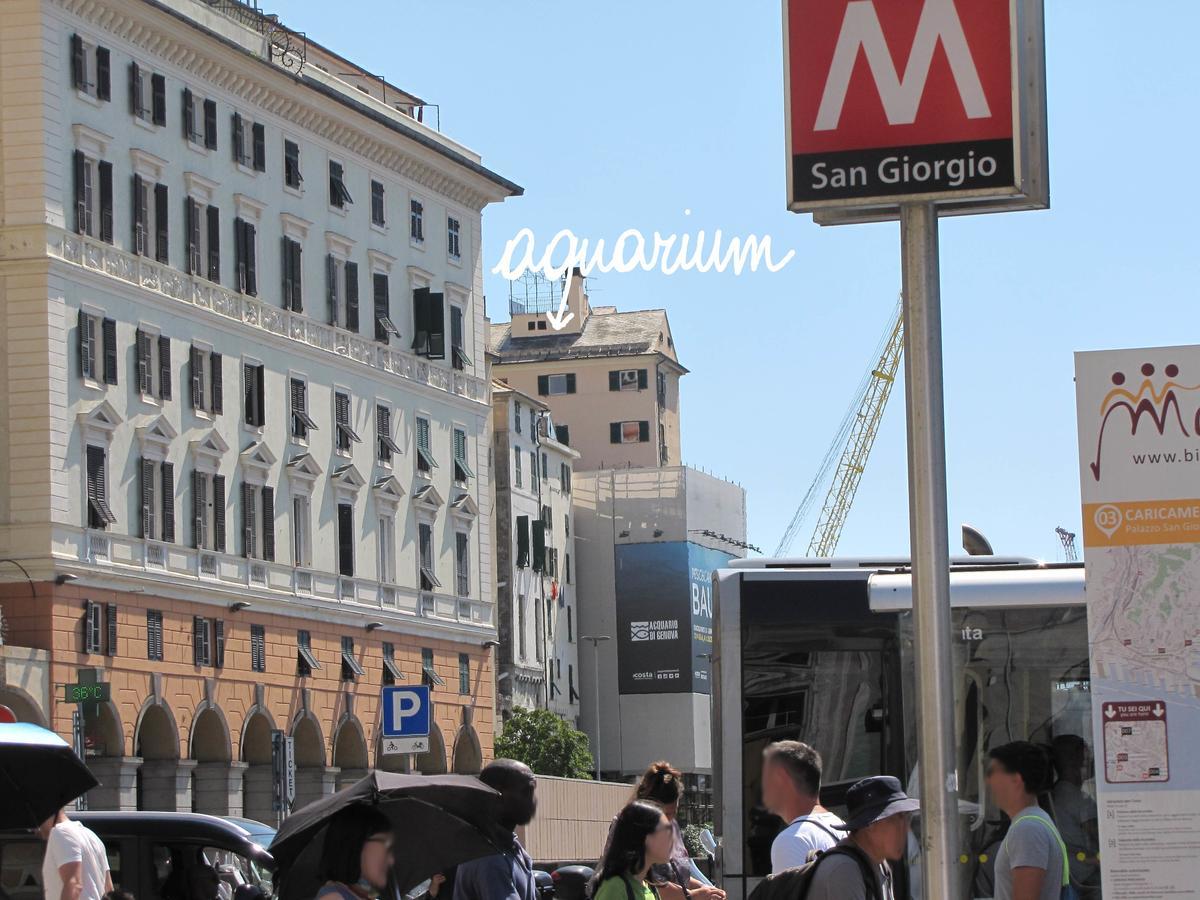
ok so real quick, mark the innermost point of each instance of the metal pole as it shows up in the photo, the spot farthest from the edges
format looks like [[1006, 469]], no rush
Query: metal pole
[[596, 688], [929, 535]]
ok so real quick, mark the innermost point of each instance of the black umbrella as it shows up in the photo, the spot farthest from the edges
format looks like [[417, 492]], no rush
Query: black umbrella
[[439, 822], [39, 775]]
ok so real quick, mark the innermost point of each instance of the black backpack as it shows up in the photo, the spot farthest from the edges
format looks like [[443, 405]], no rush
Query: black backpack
[[794, 884]]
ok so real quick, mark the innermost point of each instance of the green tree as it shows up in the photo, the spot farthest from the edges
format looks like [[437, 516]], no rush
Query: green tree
[[546, 743]]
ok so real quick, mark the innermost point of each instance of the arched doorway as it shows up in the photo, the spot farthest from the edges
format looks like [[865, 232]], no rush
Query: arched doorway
[[313, 780], [164, 781], [213, 788], [349, 752], [433, 761], [258, 801], [118, 774], [24, 706], [468, 755]]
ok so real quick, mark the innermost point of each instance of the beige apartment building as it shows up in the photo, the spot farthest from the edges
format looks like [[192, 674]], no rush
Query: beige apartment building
[[611, 378]]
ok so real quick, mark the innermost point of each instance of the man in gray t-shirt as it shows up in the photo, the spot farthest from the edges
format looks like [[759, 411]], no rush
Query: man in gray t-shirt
[[1032, 862], [857, 868]]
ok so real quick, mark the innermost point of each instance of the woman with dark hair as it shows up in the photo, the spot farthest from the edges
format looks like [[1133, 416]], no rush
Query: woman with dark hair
[[662, 784], [356, 860], [640, 838]]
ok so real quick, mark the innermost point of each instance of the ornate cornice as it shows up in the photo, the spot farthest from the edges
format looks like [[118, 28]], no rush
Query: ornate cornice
[[267, 86]]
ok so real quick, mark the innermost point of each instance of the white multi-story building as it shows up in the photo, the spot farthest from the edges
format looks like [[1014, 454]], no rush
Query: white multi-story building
[[242, 391], [538, 665]]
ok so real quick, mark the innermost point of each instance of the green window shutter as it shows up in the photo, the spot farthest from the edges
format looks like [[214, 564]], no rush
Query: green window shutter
[[522, 541], [642, 380], [539, 546], [543, 385], [614, 432], [614, 381], [643, 432]]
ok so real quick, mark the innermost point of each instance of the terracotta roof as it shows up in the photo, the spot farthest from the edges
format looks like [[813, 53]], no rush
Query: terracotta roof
[[609, 334]]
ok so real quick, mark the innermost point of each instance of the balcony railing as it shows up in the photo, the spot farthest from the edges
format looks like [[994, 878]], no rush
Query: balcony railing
[[263, 317]]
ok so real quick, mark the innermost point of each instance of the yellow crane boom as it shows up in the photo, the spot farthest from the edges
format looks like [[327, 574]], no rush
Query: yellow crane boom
[[855, 438]]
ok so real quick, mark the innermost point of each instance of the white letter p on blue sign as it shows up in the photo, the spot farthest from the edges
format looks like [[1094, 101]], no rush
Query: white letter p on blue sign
[[406, 711]]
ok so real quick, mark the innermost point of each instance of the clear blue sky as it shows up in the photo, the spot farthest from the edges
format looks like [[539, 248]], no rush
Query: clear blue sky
[[623, 114]]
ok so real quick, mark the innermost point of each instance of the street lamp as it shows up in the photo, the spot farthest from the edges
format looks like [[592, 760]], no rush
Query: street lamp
[[596, 640]]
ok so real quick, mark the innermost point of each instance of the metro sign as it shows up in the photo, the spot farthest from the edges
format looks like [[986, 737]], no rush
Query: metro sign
[[892, 101]]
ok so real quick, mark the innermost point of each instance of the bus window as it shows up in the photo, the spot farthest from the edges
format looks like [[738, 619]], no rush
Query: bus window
[[1020, 674]]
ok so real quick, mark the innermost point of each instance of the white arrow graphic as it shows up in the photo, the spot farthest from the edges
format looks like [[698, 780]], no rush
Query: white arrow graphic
[[1158, 710], [1109, 711], [558, 320]]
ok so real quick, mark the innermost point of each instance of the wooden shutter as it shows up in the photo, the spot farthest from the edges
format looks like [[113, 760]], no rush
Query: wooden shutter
[[260, 147], [251, 258], [83, 223], [248, 521], [291, 164], [239, 255], [147, 486], [420, 342], [214, 361], [383, 428], [614, 381], [158, 99], [199, 639], [351, 270], [141, 360], [614, 432], [219, 513], [87, 345], [297, 278], [457, 357], [191, 221], [641, 379], [379, 285], [110, 626], [268, 527], [154, 648], [296, 389], [168, 502], [539, 546], [643, 431], [78, 63], [570, 382], [164, 367], [522, 541], [437, 326], [139, 217], [106, 202], [135, 84], [543, 385], [346, 539], [238, 137], [219, 643], [214, 244], [196, 377], [103, 74], [286, 268], [260, 395], [210, 124], [162, 247], [108, 329], [189, 113], [199, 502], [331, 288]]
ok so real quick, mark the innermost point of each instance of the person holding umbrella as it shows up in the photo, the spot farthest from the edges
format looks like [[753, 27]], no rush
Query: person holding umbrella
[[357, 856], [76, 864], [508, 873]]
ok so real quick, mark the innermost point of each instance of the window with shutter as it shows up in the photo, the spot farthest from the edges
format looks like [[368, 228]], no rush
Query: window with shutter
[[108, 329], [331, 288], [167, 481], [196, 377], [643, 432], [162, 243], [345, 537], [79, 79], [428, 579], [342, 417], [259, 150], [191, 229], [383, 433], [522, 541], [437, 326], [99, 515], [543, 385], [459, 357], [517, 457], [219, 644], [464, 673], [420, 343], [302, 422], [268, 524], [83, 193], [258, 648], [189, 116], [384, 327], [254, 377], [110, 627], [249, 521], [462, 565], [291, 164], [350, 269], [416, 221], [339, 195], [291, 269], [137, 105], [377, 208], [462, 470], [215, 365], [140, 216], [142, 352], [239, 140], [147, 492], [158, 99], [425, 461], [213, 216], [154, 635], [87, 345], [92, 627], [453, 245], [164, 367], [210, 124], [201, 641], [200, 512], [306, 662], [218, 493], [106, 201], [539, 545]]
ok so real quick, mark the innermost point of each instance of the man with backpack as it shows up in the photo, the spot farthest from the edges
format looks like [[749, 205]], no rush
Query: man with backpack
[[858, 867], [791, 788], [1031, 863]]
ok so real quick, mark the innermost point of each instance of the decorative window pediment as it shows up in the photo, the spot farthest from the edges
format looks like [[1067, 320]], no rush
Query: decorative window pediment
[[347, 481], [156, 438], [464, 507], [380, 261], [302, 471], [99, 422], [92, 142], [256, 461], [419, 278], [248, 208], [207, 452], [428, 499], [294, 227], [148, 165], [388, 492], [199, 188], [339, 245]]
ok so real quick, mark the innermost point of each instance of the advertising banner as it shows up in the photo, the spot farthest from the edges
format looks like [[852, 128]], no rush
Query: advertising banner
[[664, 617], [1139, 441]]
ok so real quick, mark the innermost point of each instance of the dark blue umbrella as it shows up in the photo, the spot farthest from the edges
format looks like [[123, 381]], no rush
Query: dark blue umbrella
[[39, 775]]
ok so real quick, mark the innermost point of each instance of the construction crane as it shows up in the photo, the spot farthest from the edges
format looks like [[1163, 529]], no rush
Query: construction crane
[[850, 448], [1068, 542]]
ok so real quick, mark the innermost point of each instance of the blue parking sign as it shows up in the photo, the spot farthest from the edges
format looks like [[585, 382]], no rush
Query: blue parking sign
[[406, 711]]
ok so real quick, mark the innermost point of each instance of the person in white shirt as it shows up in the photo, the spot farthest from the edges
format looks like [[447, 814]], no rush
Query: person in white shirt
[[76, 865], [791, 787]]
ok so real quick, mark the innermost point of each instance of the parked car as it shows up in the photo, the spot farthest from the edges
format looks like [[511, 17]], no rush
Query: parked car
[[154, 855]]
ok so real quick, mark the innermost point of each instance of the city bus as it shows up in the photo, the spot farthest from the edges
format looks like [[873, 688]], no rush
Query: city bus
[[822, 651]]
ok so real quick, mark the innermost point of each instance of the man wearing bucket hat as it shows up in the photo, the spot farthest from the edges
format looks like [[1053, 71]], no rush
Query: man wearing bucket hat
[[858, 868]]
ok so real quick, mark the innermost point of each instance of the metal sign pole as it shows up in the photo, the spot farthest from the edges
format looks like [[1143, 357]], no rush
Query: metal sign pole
[[929, 535]]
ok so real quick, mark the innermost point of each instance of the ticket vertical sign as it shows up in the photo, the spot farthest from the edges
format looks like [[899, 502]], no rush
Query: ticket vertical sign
[[1139, 442]]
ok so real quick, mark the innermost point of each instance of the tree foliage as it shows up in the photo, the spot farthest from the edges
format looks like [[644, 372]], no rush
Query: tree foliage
[[546, 743]]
